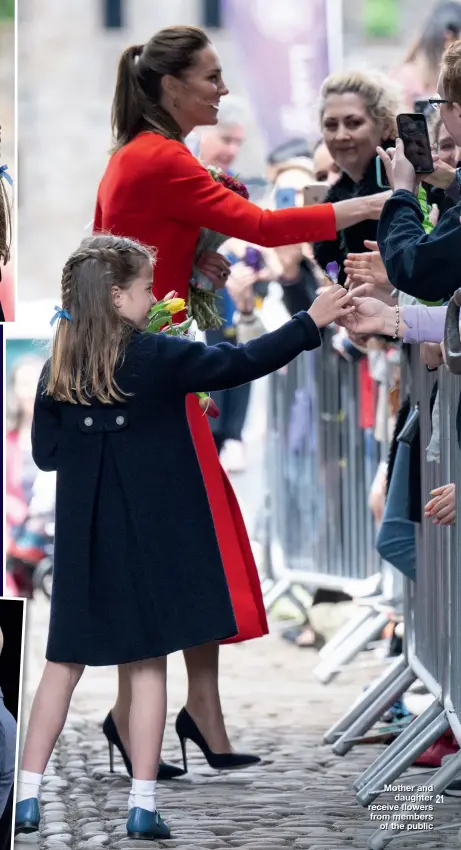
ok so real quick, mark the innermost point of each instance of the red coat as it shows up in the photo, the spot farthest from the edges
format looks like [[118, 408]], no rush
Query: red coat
[[155, 191]]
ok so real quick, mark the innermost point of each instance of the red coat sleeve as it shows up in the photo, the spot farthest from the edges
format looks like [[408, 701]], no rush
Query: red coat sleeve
[[191, 195], [97, 222]]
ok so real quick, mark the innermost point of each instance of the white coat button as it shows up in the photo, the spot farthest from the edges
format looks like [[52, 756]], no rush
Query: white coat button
[[88, 421], [120, 420]]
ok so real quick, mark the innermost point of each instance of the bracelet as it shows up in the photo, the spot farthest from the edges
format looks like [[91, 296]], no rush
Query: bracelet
[[397, 322]]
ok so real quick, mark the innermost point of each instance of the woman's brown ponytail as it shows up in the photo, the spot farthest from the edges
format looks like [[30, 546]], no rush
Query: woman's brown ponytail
[[137, 100]]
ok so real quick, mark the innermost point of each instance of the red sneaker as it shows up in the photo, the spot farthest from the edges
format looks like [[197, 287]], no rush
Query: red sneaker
[[445, 746]]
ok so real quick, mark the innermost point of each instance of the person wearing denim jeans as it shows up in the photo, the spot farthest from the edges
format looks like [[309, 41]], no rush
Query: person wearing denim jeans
[[396, 540]]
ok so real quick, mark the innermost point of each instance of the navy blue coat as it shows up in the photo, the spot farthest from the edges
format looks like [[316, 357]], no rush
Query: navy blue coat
[[427, 266], [138, 572]]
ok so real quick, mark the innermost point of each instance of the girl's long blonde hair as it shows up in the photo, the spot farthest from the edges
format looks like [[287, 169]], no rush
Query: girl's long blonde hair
[[88, 347]]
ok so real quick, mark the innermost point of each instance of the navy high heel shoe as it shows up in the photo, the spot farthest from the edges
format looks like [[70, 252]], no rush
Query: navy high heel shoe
[[146, 826], [186, 728], [27, 816], [165, 771]]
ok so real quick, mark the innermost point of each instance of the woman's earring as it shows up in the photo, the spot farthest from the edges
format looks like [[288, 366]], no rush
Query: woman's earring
[[176, 103]]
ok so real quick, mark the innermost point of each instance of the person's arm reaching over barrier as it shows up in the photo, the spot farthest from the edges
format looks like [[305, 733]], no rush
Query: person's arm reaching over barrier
[[425, 265], [192, 196], [413, 324]]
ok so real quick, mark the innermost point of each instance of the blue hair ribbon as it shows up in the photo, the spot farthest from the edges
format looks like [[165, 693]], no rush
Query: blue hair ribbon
[[4, 173], [60, 313]]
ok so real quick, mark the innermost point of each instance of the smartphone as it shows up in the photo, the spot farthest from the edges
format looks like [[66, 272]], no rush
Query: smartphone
[[285, 198], [381, 176], [415, 136], [315, 194]]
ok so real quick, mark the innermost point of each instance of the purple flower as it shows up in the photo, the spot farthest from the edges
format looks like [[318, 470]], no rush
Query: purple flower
[[332, 271]]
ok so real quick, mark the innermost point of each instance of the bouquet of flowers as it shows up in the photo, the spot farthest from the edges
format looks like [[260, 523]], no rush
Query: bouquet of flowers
[[161, 321], [202, 299]]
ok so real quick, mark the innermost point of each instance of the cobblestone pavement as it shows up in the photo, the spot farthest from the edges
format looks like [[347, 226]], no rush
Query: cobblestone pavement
[[300, 797]]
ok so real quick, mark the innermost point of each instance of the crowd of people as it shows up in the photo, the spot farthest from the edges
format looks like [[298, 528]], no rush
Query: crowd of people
[[117, 412]]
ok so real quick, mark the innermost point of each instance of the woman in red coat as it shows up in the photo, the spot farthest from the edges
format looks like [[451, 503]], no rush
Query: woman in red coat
[[155, 191]]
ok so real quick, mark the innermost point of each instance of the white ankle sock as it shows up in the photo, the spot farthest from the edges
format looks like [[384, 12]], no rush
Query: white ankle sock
[[28, 785], [142, 794]]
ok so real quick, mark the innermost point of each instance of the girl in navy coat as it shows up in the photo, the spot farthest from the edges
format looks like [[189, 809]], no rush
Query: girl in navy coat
[[130, 583]]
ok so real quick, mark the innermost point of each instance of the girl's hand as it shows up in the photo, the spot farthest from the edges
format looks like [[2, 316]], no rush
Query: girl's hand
[[442, 507], [215, 267], [333, 304], [371, 316]]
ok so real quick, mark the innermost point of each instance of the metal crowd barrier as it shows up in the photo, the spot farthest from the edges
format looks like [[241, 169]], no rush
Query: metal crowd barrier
[[432, 619], [320, 465]]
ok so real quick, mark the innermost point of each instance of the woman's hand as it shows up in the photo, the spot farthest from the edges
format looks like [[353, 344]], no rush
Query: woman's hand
[[399, 170], [367, 275], [333, 304], [215, 267], [442, 507], [376, 204], [370, 316]]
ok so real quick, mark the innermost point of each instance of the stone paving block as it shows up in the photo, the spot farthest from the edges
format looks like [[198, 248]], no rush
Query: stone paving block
[[300, 798]]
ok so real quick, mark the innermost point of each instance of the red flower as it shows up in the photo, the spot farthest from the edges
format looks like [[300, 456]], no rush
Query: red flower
[[234, 185], [209, 407]]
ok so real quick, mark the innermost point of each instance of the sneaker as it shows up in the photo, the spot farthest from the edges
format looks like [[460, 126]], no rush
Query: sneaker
[[233, 456], [416, 703], [447, 745]]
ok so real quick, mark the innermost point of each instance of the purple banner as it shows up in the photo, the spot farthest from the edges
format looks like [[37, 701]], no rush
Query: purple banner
[[283, 50]]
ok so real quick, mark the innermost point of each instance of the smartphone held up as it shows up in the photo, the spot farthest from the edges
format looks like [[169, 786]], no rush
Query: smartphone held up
[[413, 131], [313, 193]]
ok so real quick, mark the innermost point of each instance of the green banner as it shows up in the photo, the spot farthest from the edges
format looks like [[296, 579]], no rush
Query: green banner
[[6, 10], [381, 18]]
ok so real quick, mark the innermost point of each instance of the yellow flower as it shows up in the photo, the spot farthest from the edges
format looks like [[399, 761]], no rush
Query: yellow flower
[[176, 305]]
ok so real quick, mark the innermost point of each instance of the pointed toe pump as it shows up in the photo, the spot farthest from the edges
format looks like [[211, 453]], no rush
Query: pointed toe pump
[[187, 729]]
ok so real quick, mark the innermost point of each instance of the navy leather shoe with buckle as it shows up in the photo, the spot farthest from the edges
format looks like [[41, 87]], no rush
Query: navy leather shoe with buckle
[[27, 816], [146, 825]]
